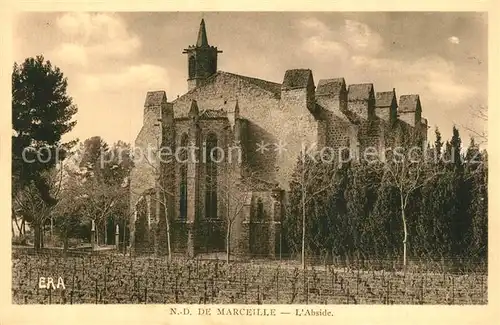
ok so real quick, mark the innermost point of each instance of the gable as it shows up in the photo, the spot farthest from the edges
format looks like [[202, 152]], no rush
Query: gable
[[331, 87], [220, 91], [385, 99], [360, 92], [155, 98], [409, 103], [297, 78]]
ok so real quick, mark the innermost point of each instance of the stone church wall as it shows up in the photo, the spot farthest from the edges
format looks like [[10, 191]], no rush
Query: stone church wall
[[271, 118]]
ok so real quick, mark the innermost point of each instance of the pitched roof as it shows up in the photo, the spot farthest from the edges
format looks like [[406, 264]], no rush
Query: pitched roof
[[213, 113], [182, 104], [297, 78], [408, 103], [359, 92], [384, 98], [193, 109], [270, 86], [202, 35], [155, 98], [330, 86]]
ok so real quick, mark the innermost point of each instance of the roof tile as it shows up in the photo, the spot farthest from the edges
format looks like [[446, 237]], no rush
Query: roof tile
[[330, 86], [155, 98], [384, 98], [408, 103], [297, 78], [359, 92]]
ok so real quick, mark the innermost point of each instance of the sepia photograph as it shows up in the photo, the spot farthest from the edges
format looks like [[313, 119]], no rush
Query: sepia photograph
[[249, 158]]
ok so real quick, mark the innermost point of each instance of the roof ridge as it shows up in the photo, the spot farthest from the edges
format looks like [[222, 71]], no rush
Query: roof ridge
[[264, 85], [256, 82], [247, 77]]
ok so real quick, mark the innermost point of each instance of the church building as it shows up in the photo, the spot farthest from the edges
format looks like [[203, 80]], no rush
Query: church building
[[224, 152]]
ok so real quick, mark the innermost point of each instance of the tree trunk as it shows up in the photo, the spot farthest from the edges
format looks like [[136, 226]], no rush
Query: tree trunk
[[12, 227], [97, 234], [14, 219], [303, 215], [42, 236], [303, 230], [92, 239], [51, 229], [405, 231], [105, 231], [228, 245], [37, 239], [65, 242], [23, 227], [124, 236], [169, 250]]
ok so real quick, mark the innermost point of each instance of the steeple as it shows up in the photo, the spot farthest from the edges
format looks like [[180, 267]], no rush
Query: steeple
[[202, 59], [202, 35]]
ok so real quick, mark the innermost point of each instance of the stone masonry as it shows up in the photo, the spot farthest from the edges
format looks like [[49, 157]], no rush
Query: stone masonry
[[197, 199]]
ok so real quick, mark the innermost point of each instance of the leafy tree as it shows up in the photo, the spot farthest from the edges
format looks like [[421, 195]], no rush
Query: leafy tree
[[102, 182], [438, 144], [384, 223], [477, 174], [42, 113], [438, 207]]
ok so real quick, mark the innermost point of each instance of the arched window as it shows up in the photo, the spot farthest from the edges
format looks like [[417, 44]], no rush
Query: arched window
[[211, 172], [183, 179], [191, 66], [260, 210]]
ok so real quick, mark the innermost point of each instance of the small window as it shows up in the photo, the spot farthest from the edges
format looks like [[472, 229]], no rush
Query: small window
[[191, 66], [260, 210]]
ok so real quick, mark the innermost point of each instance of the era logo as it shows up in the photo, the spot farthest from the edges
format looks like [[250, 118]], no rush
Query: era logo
[[42, 284]]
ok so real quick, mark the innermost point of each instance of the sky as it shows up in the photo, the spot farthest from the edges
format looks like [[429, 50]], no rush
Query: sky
[[112, 59]]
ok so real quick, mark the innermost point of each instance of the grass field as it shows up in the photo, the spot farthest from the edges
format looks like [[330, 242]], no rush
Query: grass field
[[117, 279]]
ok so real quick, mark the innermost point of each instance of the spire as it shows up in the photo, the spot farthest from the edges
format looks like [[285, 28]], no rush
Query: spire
[[202, 59], [202, 35]]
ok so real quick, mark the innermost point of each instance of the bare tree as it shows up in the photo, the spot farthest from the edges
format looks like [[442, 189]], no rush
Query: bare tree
[[236, 190], [479, 128], [406, 170], [162, 194], [316, 176]]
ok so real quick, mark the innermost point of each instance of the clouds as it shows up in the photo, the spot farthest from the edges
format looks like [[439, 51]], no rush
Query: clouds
[[141, 76], [325, 49], [103, 53], [71, 54], [107, 72], [112, 60], [87, 36], [361, 38], [351, 36], [430, 76], [454, 40], [361, 51]]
